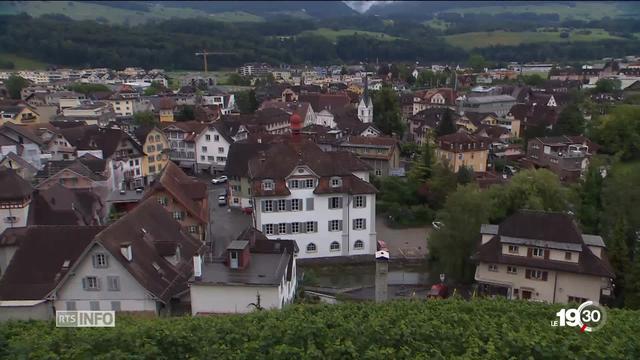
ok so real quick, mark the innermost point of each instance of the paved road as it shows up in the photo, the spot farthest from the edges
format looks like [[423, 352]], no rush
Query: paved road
[[224, 225], [410, 244]]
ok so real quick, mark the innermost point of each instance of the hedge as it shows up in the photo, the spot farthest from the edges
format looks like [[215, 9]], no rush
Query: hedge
[[445, 329]]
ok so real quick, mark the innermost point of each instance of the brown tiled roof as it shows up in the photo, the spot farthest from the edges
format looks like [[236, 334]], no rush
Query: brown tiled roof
[[12, 186], [462, 141], [37, 266], [144, 228], [539, 225], [320, 101], [183, 188], [351, 184], [239, 156], [58, 205], [91, 137]]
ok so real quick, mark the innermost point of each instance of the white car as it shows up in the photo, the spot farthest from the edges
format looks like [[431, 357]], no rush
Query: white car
[[437, 225], [219, 180], [222, 199]]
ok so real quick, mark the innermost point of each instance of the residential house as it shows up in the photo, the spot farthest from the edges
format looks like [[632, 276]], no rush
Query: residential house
[[19, 165], [15, 199], [156, 148], [236, 169], [125, 101], [382, 153], [165, 109], [224, 101], [542, 256], [182, 142], [184, 197], [212, 147], [566, 156], [18, 114], [253, 271], [22, 142], [497, 104], [463, 149], [322, 200], [91, 112]]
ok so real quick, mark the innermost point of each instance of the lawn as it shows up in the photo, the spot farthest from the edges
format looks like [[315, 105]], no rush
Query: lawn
[[472, 40], [437, 24], [333, 35], [78, 10], [21, 63], [581, 10]]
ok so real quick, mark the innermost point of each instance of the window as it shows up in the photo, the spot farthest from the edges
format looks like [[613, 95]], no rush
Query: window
[[267, 184], [100, 261], [221, 158], [192, 229], [358, 245], [157, 137], [335, 246], [137, 162], [220, 150], [163, 201], [359, 224], [115, 306], [336, 182], [378, 172], [13, 219], [152, 169], [282, 205], [513, 249], [493, 267], [71, 305], [178, 215], [576, 299], [207, 137], [359, 201], [211, 158], [202, 157], [335, 225], [308, 183], [267, 205], [538, 252], [268, 229], [295, 228], [335, 203], [536, 275], [113, 283], [159, 147], [311, 226], [204, 149], [91, 283], [216, 137], [567, 255], [293, 184], [296, 204], [512, 270], [311, 248], [151, 159], [94, 305], [151, 148], [282, 228]]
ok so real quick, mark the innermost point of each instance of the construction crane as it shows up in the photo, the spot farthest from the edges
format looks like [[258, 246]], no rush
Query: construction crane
[[204, 54]]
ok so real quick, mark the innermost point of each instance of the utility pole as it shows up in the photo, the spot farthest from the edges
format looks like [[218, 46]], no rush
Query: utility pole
[[204, 54]]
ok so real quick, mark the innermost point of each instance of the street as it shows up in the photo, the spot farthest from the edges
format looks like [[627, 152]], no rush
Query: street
[[224, 225]]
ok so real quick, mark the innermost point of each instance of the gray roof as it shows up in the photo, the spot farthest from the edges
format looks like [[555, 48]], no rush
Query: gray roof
[[489, 229], [593, 240], [263, 269], [490, 99], [237, 245]]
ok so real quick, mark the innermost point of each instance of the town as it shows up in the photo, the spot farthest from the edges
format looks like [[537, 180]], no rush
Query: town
[[254, 188]]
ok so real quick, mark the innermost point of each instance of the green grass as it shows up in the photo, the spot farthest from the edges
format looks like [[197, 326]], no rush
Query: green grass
[[437, 24], [333, 35], [21, 63], [90, 11], [581, 10], [472, 40]]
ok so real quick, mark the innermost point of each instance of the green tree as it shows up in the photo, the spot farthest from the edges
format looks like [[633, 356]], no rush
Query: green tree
[[446, 125], [246, 101], [442, 182], [186, 113], [465, 175], [532, 80], [386, 111], [632, 286], [607, 86], [619, 132], [154, 89], [14, 85], [451, 247], [570, 121], [590, 193], [143, 118], [84, 88], [422, 166], [620, 258], [477, 62], [236, 79]]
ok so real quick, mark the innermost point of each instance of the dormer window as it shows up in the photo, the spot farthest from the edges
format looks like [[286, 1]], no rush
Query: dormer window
[[336, 182], [267, 184]]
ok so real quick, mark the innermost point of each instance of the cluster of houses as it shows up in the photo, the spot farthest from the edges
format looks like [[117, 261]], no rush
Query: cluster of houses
[[98, 212]]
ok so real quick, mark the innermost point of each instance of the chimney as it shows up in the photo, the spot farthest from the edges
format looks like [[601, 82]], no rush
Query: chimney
[[125, 250], [197, 267], [382, 274]]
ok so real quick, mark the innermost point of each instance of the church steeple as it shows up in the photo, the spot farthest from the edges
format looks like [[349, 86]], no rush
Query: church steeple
[[365, 107]]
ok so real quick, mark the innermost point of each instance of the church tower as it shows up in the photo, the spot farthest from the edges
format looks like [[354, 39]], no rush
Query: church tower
[[365, 107]]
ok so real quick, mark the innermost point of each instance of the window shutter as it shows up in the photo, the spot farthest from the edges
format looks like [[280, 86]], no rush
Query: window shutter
[[98, 281], [364, 201], [274, 205], [340, 225], [276, 228], [309, 203], [546, 253], [364, 224], [353, 224], [93, 260], [527, 273], [545, 275], [84, 283], [315, 226], [288, 228], [264, 229], [288, 205], [529, 252], [339, 203], [303, 227], [264, 206], [329, 225]]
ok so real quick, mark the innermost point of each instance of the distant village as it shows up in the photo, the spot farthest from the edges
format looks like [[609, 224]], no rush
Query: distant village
[[100, 211]]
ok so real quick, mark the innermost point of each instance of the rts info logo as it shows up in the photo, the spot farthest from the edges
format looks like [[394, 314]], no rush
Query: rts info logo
[[588, 317]]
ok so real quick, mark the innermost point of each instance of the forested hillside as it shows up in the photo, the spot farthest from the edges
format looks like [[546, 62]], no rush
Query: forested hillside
[[479, 329]]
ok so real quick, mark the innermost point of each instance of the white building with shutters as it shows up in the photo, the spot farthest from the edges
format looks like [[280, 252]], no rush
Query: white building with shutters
[[322, 200]]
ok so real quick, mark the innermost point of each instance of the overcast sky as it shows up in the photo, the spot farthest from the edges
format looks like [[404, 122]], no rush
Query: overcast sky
[[363, 6]]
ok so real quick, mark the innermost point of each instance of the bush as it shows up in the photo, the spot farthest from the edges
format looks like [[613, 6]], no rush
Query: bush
[[443, 329]]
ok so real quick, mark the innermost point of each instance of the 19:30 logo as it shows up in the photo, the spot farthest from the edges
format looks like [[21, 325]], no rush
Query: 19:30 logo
[[589, 317]]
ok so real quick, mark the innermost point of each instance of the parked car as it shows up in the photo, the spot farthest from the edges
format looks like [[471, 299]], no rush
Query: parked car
[[510, 170], [219, 180], [222, 200]]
